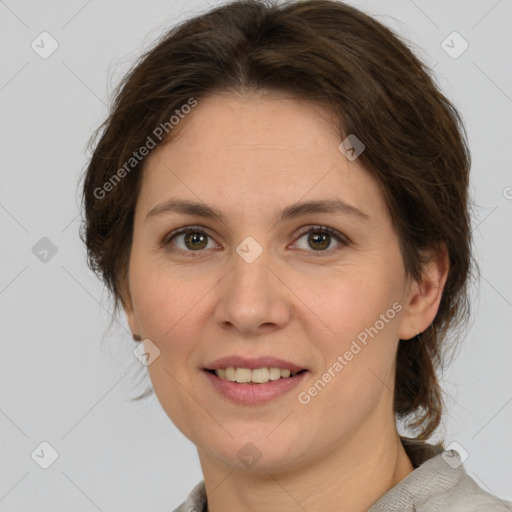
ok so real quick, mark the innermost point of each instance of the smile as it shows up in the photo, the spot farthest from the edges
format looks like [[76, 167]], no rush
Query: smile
[[247, 391], [257, 375]]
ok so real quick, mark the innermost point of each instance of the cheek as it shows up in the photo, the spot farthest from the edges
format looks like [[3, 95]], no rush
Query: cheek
[[361, 312], [166, 309], [356, 378], [352, 303], [162, 300]]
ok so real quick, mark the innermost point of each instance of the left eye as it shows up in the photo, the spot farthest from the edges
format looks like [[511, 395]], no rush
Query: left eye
[[320, 238]]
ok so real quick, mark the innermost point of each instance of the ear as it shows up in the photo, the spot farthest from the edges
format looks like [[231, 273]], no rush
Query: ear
[[132, 323], [424, 296], [126, 302]]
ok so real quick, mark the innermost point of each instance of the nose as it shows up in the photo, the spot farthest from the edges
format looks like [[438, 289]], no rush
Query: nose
[[253, 297]]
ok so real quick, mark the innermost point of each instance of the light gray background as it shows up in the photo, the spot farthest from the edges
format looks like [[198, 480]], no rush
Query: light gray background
[[63, 375]]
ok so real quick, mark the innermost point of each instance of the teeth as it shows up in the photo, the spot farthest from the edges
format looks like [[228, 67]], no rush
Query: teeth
[[258, 375], [274, 373], [243, 375]]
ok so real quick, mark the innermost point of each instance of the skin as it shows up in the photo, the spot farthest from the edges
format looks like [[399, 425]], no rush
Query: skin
[[250, 156]]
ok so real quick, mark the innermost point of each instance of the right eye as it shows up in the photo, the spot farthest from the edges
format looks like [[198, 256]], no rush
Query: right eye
[[189, 239]]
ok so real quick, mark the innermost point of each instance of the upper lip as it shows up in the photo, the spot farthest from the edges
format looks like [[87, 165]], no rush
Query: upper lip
[[253, 363]]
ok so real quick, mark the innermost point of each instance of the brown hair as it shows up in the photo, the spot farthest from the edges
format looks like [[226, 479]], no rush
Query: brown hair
[[315, 50]]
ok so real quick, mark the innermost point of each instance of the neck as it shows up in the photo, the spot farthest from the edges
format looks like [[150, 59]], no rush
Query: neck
[[351, 477]]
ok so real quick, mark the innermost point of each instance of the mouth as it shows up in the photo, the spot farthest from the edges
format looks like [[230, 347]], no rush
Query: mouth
[[253, 386], [253, 380], [261, 375]]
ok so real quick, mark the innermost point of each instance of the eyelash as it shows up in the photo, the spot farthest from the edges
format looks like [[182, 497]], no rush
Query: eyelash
[[344, 241]]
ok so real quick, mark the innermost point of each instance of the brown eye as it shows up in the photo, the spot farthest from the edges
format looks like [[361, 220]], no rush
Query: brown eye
[[320, 238], [188, 240], [195, 241]]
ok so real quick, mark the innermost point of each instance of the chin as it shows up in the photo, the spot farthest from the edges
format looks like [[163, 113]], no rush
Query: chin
[[257, 454]]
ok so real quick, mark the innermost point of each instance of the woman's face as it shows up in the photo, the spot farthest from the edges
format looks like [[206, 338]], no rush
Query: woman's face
[[257, 283]]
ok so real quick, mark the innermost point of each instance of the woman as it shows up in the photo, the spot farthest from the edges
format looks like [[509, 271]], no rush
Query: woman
[[279, 202]]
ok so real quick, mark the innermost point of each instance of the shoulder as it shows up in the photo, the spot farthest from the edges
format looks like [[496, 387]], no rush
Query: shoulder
[[195, 501], [439, 483], [467, 496], [454, 490]]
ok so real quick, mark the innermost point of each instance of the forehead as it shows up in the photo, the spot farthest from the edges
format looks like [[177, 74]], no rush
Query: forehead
[[253, 122], [251, 152]]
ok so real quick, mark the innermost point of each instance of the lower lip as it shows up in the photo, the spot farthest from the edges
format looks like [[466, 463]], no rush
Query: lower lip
[[253, 394]]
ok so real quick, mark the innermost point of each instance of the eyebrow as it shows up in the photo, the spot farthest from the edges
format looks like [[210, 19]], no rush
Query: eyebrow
[[293, 211]]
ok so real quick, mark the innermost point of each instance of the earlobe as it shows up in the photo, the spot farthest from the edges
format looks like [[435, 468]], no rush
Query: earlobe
[[131, 319], [132, 324], [127, 304], [425, 296]]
